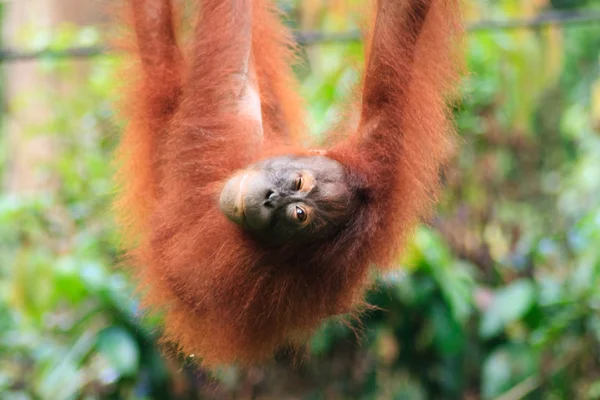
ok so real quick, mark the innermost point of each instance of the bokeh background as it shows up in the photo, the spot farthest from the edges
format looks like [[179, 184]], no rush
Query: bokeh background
[[497, 297]]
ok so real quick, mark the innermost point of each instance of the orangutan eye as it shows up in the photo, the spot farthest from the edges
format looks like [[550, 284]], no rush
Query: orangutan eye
[[300, 214], [298, 183]]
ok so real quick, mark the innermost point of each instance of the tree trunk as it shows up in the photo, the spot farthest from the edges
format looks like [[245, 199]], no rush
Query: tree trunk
[[27, 89]]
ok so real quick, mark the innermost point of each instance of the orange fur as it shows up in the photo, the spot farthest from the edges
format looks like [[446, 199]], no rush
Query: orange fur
[[273, 49], [225, 297], [152, 86]]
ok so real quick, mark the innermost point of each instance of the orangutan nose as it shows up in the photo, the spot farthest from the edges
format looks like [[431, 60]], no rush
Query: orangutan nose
[[271, 198]]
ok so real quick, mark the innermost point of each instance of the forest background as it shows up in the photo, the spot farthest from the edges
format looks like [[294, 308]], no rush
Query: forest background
[[497, 298]]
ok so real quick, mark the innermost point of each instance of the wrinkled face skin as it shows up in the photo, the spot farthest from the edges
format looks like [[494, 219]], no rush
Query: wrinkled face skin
[[289, 198]]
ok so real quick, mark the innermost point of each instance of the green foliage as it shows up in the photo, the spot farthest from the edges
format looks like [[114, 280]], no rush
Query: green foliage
[[509, 304], [497, 298]]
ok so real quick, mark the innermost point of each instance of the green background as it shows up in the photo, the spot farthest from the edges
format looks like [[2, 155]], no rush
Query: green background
[[498, 298]]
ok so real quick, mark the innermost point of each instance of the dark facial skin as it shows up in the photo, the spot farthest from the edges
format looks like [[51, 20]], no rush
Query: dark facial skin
[[289, 198]]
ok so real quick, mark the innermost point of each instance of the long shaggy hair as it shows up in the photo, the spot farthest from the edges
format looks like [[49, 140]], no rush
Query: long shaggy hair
[[226, 298]]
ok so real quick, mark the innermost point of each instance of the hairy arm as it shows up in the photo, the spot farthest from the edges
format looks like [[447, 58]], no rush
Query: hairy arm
[[159, 55], [405, 131], [217, 127], [394, 41], [153, 84], [390, 70], [273, 52]]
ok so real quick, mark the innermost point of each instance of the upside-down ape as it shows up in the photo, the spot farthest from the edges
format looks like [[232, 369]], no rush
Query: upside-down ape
[[246, 243]]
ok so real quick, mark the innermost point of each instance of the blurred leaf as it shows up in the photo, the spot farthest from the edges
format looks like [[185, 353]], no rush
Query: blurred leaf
[[508, 305], [16, 395], [505, 367], [120, 349], [62, 374], [453, 278], [448, 334], [594, 390]]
